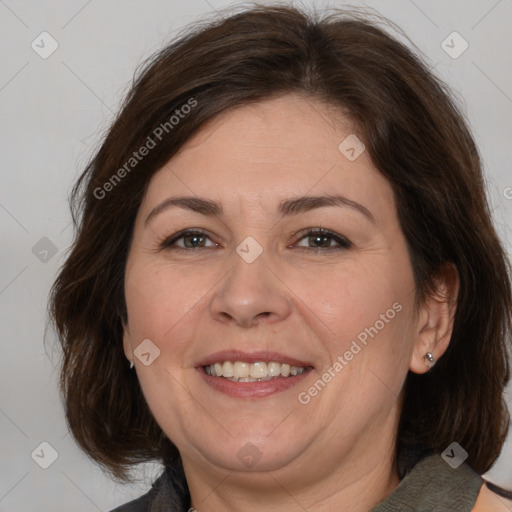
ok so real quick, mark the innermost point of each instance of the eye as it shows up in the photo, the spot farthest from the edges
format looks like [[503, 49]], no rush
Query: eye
[[322, 239], [191, 239], [315, 239]]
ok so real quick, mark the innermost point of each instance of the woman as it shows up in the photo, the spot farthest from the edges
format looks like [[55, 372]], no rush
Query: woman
[[286, 234]]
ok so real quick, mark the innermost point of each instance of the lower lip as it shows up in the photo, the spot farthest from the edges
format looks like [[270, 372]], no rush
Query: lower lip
[[252, 389]]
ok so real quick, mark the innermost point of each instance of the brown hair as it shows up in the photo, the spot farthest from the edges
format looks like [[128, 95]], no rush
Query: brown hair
[[415, 135]]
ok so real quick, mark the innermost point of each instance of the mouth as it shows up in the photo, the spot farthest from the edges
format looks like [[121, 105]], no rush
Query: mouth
[[252, 374]]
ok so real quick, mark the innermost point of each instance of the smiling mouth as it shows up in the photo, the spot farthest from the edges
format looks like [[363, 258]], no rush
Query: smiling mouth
[[260, 371]]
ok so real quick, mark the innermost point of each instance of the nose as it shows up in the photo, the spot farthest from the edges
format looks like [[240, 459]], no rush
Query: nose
[[249, 294]]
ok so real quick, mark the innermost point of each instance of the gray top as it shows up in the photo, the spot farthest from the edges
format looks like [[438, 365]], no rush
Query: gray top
[[431, 486]]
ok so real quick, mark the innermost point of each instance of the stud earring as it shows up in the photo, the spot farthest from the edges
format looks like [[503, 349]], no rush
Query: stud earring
[[132, 364], [430, 359]]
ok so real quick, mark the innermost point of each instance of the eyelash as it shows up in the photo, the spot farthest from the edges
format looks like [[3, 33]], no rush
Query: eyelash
[[344, 243]]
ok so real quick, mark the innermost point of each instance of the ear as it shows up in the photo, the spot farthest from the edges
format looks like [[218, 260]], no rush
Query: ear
[[435, 319], [127, 343]]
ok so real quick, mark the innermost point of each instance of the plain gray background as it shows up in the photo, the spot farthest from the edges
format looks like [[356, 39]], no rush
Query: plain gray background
[[53, 113]]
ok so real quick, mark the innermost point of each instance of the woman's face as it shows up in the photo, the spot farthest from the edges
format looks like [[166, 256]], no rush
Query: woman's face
[[261, 290]]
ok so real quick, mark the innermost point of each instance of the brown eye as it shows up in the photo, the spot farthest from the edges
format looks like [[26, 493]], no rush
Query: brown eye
[[194, 240], [187, 240], [323, 239]]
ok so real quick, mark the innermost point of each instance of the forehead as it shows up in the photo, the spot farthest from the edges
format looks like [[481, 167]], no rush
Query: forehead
[[284, 130], [279, 147]]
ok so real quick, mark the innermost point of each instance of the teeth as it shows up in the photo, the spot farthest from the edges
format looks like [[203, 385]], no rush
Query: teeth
[[245, 372], [274, 369], [227, 369], [258, 370], [241, 370]]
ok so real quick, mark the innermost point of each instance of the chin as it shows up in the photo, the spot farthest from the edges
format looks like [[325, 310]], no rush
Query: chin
[[247, 450], [246, 455]]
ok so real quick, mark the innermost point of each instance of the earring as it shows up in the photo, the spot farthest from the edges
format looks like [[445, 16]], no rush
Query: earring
[[430, 359], [132, 364]]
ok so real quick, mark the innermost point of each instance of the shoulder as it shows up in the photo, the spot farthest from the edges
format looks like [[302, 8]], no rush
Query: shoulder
[[143, 503], [493, 499], [168, 494]]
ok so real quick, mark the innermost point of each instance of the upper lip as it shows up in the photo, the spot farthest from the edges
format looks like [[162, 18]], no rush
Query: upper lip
[[251, 357]]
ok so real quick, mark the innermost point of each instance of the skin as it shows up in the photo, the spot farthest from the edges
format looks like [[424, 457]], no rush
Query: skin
[[489, 501], [335, 452]]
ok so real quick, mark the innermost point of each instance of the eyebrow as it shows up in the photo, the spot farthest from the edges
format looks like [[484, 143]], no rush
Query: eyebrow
[[292, 206]]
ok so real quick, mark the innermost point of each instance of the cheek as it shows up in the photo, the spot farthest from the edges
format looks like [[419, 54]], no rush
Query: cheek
[[159, 299], [162, 303], [365, 314], [349, 299]]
